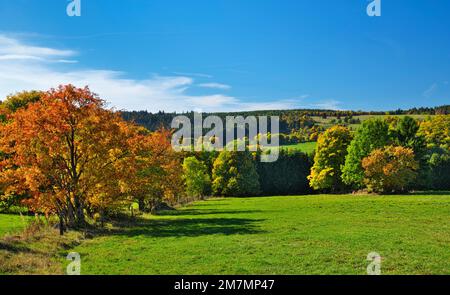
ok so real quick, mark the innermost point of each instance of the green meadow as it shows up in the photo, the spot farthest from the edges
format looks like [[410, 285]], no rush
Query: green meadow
[[305, 147], [11, 224], [318, 234]]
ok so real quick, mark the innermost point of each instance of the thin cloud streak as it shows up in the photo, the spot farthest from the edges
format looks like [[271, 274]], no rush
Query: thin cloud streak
[[215, 86]]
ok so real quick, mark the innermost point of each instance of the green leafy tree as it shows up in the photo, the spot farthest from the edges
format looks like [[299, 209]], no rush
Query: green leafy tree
[[330, 156], [234, 174], [406, 133], [436, 131], [439, 170], [196, 177], [373, 134]]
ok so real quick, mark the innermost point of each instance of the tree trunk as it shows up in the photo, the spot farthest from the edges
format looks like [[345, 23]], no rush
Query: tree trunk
[[70, 212], [80, 221], [61, 224], [102, 218], [141, 205]]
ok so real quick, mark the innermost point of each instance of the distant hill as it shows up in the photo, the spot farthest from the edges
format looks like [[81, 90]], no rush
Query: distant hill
[[289, 119]]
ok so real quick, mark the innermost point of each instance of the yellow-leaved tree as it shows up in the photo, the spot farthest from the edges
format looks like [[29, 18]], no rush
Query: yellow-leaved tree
[[390, 170]]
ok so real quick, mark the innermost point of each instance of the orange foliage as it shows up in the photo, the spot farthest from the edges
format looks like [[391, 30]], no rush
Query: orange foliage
[[391, 169], [159, 173], [70, 154]]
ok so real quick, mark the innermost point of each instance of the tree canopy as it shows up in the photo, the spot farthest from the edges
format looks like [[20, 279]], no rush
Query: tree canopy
[[330, 155], [373, 134]]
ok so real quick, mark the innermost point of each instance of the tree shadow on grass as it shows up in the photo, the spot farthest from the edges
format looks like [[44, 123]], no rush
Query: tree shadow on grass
[[195, 212], [187, 227], [15, 248], [430, 193]]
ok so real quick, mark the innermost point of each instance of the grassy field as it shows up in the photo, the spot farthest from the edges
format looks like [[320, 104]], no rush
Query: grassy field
[[10, 224], [327, 123], [323, 234], [306, 147]]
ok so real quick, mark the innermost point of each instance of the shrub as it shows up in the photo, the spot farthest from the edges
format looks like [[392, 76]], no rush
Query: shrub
[[390, 170]]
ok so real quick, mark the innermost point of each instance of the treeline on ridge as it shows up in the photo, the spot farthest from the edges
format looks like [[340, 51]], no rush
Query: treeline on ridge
[[153, 121]]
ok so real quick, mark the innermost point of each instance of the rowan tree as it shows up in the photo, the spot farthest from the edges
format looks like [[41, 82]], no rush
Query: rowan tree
[[158, 171], [61, 148], [11, 104]]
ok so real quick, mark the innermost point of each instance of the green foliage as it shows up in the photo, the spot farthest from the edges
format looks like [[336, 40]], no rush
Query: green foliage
[[373, 134], [286, 176], [234, 174], [289, 119], [405, 132], [330, 156], [439, 173], [196, 177], [19, 100]]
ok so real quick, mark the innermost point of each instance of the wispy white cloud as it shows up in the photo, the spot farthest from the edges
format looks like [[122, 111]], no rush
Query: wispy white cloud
[[12, 49], [215, 86], [430, 90], [326, 105], [27, 67], [200, 75]]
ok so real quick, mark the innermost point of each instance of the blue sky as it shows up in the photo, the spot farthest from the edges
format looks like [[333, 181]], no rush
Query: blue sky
[[232, 55]]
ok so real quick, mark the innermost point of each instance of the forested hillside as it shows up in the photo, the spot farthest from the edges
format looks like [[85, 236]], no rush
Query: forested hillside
[[289, 119]]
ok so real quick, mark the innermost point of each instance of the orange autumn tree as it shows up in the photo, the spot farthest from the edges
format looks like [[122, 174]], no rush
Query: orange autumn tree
[[158, 171], [390, 170], [68, 153]]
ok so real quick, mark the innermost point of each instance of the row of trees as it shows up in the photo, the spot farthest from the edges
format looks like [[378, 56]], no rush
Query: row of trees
[[231, 173], [392, 155], [384, 156], [289, 119]]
